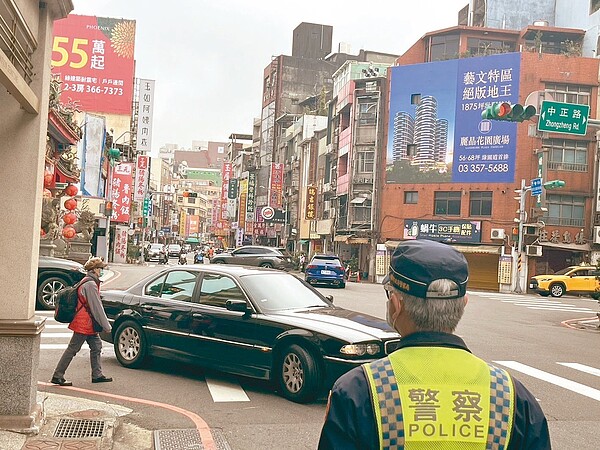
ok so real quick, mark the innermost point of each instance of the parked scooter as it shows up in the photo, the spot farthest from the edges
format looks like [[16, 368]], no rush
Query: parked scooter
[[183, 258]]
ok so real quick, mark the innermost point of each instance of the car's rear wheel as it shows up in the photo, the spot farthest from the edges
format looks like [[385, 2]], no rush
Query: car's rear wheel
[[557, 290], [47, 290], [266, 265], [299, 376], [217, 261], [130, 345]]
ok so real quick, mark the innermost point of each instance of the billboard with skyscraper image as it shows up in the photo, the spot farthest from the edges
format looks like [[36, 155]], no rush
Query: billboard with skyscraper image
[[436, 133]]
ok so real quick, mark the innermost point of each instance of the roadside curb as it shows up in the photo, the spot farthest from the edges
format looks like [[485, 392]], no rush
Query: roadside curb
[[586, 323]]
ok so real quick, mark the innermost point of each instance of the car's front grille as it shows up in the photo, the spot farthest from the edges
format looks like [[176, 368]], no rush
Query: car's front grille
[[391, 346]]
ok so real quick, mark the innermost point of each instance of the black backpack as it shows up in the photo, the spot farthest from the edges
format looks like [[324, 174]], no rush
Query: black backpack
[[66, 303]]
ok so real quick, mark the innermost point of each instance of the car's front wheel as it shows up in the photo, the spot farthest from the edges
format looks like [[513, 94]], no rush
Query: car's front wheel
[[130, 345], [217, 261], [266, 265], [557, 290], [47, 290], [299, 375]]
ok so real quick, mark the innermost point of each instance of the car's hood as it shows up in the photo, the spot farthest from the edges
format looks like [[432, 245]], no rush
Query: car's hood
[[58, 263], [352, 326]]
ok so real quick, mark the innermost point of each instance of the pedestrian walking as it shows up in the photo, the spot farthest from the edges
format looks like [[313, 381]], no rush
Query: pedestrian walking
[[89, 320], [431, 392], [302, 261]]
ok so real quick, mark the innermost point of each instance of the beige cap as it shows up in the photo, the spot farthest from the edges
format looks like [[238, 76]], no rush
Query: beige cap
[[94, 263]]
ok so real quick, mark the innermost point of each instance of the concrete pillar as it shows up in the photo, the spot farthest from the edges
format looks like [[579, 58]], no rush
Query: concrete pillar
[[22, 150]]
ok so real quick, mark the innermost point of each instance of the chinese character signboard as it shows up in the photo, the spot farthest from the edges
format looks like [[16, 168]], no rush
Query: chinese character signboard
[[311, 202], [565, 118], [142, 168], [225, 176], [122, 179], [94, 58], [193, 225], [120, 254], [276, 190], [250, 201], [232, 188], [436, 133], [145, 113], [449, 231], [243, 198]]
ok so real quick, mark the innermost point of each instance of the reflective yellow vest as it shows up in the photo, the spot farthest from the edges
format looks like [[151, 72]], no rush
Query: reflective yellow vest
[[440, 398]]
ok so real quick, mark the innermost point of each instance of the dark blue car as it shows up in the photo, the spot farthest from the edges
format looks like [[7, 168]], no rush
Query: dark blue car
[[325, 269]]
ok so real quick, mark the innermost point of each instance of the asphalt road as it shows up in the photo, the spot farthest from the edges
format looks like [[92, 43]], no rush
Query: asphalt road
[[523, 333]]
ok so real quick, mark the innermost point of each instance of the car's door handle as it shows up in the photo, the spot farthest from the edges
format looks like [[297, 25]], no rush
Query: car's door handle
[[198, 316], [147, 308]]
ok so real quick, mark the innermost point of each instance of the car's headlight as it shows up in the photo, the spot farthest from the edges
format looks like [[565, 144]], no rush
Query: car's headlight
[[360, 349]]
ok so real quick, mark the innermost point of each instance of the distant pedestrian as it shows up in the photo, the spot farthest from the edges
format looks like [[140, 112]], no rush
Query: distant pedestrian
[[302, 261], [89, 320]]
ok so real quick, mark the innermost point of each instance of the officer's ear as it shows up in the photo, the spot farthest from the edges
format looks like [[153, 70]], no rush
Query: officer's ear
[[466, 299]]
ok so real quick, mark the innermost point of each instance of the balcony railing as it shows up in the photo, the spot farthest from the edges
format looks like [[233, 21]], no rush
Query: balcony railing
[[16, 39], [564, 221], [571, 167]]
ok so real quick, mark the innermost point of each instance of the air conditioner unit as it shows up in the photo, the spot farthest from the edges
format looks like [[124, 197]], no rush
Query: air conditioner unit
[[533, 250], [332, 213], [596, 235], [326, 204], [497, 233]]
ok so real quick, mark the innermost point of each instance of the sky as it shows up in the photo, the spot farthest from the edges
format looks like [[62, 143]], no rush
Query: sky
[[208, 57]]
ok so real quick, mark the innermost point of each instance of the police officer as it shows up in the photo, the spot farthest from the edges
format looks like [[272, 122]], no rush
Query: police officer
[[432, 392]]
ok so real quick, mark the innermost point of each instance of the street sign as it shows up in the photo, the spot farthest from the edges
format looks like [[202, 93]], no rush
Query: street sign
[[536, 187], [566, 118]]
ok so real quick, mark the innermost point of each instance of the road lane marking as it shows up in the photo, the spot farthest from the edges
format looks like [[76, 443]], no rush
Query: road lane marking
[[582, 368], [108, 348], [558, 308], [57, 335], [225, 391], [553, 379]]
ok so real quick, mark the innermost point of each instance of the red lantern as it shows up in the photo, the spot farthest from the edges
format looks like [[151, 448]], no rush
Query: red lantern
[[71, 204], [48, 179], [70, 218], [69, 232], [42, 232], [71, 190]]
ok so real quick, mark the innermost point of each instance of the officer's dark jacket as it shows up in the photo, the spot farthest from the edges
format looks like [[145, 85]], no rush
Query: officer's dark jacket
[[350, 421]]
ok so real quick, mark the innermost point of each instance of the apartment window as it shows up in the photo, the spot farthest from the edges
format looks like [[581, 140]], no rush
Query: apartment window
[[569, 93], [480, 203], [367, 114], [567, 154], [411, 197], [594, 6], [443, 47], [567, 210], [365, 161], [191, 211], [447, 203]]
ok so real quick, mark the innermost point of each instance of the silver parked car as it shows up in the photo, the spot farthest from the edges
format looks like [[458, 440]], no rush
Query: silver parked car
[[256, 255]]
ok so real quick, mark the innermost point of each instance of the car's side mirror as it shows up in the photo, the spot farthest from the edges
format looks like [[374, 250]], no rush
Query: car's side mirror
[[329, 297], [236, 305]]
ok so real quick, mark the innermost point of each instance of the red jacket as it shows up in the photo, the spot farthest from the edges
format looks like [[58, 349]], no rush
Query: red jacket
[[82, 322]]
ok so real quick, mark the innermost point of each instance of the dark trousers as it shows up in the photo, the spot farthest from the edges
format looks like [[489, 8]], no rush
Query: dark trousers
[[75, 344]]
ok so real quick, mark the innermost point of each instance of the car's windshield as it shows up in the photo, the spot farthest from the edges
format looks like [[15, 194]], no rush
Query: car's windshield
[[279, 292], [326, 260], [564, 271], [156, 246]]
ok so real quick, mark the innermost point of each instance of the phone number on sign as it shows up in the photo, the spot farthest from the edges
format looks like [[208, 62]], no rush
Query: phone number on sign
[[93, 89], [481, 167]]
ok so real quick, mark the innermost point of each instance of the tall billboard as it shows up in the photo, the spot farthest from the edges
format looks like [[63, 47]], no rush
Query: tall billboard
[[93, 56], [436, 133]]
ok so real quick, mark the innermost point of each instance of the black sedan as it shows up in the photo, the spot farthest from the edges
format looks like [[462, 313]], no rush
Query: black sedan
[[55, 274], [252, 322]]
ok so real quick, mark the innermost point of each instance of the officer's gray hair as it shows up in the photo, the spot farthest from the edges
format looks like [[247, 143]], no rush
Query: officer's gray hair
[[435, 314]]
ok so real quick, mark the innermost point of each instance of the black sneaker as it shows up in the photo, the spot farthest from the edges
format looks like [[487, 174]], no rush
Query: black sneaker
[[102, 379], [60, 382]]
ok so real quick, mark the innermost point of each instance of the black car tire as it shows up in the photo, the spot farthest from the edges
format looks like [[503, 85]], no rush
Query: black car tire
[[46, 293], [298, 373], [130, 345], [544, 294], [266, 265], [343, 285], [557, 290], [217, 261]]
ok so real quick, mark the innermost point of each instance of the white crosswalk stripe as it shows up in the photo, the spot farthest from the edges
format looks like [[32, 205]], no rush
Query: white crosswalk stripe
[[565, 383], [535, 303], [56, 336]]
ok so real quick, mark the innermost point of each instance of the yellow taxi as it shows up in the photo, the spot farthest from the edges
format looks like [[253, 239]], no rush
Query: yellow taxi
[[577, 280]]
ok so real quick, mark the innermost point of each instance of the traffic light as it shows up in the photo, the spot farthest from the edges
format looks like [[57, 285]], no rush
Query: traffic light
[[108, 207], [510, 113], [190, 194], [114, 154], [554, 184]]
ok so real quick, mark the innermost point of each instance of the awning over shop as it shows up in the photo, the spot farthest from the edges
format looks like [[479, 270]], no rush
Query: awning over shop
[[349, 239], [568, 247], [192, 240], [492, 249], [358, 200], [341, 238]]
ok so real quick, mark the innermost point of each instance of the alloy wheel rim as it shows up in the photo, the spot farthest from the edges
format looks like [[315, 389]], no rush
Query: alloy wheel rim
[[49, 292], [293, 373], [129, 344]]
